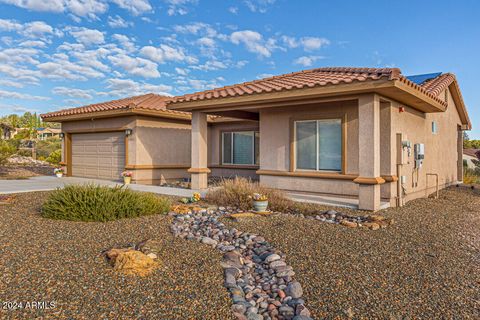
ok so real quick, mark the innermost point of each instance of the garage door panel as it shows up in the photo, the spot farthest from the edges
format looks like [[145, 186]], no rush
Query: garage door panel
[[98, 155]]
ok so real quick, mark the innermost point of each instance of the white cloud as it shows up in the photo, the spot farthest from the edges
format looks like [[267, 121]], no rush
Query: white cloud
[[313, 43], [34, 29], [165, 53], [87, 36], [233, 10], [118, 22], [135, 66], [136, 7], [252, 40], [179, 7], [197, 28], [307, 61], [73, 92], [11, 83], [206, 42], [125, 42], [17, 95], [259, 5], [210, 65], [83, 8], [128, 87], [21, 55], [32, 43], [182, 71]]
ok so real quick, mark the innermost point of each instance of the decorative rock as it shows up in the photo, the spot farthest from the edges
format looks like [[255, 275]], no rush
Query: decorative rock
[[349, 224], [272, 257], [277, 263], [239, 308], [132, 262], [254, 316], [209, 241], [294, 290]]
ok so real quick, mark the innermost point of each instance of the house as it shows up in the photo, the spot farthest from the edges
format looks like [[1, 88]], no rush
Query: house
[[47, 133], [373, 135], [469, 156], [6, 131], [366, 133]]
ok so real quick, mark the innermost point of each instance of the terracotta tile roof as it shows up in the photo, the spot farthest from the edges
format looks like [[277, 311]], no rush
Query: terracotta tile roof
[[472, 152], [316, 78], [150, 101]]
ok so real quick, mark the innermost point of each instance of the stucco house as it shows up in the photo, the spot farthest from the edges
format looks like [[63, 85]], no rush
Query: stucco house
[[47, 133], [6, 131], [364, 133]]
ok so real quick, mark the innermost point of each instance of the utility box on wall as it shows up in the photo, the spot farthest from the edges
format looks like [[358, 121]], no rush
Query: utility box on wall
[[419, 154]]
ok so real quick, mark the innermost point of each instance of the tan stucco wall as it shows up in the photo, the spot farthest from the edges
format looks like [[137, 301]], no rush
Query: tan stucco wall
[[214, 146], [275, 128], [440, 149]]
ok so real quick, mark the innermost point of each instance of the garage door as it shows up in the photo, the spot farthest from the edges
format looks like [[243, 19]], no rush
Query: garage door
[[98, 155]]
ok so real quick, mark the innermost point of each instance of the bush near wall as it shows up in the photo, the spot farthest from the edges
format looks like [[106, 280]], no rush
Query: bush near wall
[[101, 203], [6, 150]]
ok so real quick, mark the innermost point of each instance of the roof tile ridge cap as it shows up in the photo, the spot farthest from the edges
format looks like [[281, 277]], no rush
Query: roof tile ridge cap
[[410, 83]]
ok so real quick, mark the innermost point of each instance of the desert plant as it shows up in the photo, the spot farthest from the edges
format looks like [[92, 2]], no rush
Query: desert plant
[[470, 176], [44, 148], [238, 193], [55, 157], [6, 151], [100, 203]]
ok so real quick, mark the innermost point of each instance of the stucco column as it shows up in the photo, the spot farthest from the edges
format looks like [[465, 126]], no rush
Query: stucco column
[[199, 171], [369, 179]]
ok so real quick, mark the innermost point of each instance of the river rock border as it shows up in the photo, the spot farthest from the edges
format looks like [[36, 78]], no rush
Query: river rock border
[[261, 284]]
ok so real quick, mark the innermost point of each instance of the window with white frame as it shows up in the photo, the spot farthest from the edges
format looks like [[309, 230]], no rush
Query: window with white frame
[[240, 147], [318, 145]]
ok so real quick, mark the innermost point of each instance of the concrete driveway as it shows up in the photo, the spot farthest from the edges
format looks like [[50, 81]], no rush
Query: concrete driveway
[[45, 183]]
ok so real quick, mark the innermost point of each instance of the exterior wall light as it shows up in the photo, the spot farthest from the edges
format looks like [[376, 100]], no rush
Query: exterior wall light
[[62, 135], [128, 132]]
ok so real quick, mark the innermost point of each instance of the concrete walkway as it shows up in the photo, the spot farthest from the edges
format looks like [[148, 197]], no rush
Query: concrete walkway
[[45, 183]]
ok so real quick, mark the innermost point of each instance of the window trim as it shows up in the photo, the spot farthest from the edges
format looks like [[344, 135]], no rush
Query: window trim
[[232, 131], [293, 145]]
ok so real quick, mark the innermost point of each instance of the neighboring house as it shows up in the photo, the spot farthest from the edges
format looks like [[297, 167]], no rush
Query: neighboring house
[[469, 156], [343, 132], [47, 133], [346, 132], [6, 131]]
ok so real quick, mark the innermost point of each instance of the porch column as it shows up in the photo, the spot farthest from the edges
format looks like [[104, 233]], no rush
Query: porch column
[[199, 171], [369, 178]]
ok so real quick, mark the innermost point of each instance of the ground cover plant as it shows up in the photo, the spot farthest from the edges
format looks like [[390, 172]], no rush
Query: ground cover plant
[[100, 203]]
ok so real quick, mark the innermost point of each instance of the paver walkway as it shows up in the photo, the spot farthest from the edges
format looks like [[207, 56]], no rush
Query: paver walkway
[[45, 183]]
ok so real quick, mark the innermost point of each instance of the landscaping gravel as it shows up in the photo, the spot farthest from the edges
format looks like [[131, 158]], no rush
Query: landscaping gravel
[[61, 262], [425, 266], [24, 171]]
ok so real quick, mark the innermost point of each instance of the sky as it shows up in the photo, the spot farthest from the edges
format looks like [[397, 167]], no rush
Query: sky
[[56, 54]]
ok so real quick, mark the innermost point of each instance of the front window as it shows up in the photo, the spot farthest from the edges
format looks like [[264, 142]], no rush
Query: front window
[[241, 147], [318, 145]]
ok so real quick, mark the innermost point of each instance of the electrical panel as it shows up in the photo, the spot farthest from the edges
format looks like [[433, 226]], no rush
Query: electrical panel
[[419, 154]]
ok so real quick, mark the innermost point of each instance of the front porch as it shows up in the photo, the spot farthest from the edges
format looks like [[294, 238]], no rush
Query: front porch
[[356, 169]]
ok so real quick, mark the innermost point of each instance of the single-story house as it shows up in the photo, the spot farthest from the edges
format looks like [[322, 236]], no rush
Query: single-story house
[[368, 133], [469, 156], [47, 133], [137, 134], [365, 133], [6, 131]]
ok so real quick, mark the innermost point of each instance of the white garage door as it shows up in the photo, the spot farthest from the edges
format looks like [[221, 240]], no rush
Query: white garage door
[[98, 155]]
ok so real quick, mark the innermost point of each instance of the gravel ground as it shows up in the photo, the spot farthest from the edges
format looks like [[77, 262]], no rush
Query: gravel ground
[[24, 172], [425, 266], [60, 261]]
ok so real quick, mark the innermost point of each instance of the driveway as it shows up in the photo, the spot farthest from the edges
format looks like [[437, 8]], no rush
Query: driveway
[[45, 183]]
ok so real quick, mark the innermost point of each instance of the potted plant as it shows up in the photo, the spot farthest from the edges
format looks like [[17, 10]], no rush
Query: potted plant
[[260, 202], [59, 172], [127, 177]]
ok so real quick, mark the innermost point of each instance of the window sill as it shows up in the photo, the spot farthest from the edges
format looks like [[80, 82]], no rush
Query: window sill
[[235, 166], [309, 174]]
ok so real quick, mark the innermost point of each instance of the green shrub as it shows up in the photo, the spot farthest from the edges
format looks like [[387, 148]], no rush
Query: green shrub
[[100, 203], [55, 157], [237, 193], [6, 151], [470, 176], [45, 147]]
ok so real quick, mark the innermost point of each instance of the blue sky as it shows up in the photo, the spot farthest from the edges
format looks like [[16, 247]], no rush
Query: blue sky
[[63, 53]]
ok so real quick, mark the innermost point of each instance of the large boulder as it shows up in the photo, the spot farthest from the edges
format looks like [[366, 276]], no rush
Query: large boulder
[[132, 262]]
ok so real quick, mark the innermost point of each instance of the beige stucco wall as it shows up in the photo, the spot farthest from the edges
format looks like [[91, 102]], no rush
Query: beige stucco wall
[[275, 127], [441, 156], [214, 148]]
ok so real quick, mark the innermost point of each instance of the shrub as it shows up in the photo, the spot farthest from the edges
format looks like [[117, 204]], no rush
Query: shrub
[[470, 176], [238, 192], [100, 203], [55, 157], [6, 151], [45, 147]]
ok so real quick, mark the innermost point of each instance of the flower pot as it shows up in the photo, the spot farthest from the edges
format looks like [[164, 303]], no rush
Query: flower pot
[[59, 175], [127, 180], [260, 206]]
